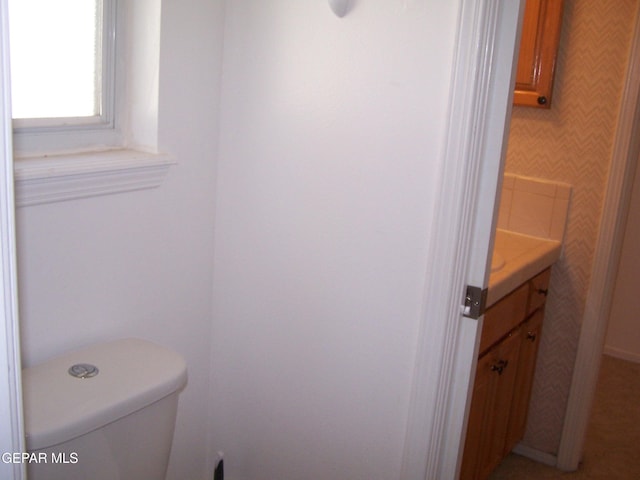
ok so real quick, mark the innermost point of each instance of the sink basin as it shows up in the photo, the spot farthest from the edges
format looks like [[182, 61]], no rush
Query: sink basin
[[497, 262]]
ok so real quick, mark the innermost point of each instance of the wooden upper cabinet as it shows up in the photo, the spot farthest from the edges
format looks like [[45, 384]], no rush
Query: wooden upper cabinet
[[538, 52]]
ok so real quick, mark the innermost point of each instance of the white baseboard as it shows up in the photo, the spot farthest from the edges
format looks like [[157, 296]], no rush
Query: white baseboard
[[622, 354]]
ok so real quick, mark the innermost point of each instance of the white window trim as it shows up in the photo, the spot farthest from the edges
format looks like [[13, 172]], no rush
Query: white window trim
[[46, 177]]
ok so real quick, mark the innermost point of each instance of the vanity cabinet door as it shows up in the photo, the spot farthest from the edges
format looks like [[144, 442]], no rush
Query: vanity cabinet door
[[538, 52], [490, 405], [504, 369], [478, 413], [530, 341]]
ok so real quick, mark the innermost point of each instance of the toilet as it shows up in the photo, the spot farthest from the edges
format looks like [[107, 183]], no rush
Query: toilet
[[105, 412]]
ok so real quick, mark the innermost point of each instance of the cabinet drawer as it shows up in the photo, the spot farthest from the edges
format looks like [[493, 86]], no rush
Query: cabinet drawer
[[538, 293], [504, 316]]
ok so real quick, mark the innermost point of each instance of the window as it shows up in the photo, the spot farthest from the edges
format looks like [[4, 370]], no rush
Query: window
[[62, 73], [105, 139]]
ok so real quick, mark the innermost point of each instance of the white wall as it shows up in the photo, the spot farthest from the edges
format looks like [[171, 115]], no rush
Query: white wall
[[331, 134], [623, 332], [329, 153], [140, 264]]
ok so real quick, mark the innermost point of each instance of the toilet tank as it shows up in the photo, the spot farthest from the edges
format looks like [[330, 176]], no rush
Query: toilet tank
[[117, 423]]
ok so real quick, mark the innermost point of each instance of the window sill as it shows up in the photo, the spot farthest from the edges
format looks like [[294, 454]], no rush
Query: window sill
[[66, 177]]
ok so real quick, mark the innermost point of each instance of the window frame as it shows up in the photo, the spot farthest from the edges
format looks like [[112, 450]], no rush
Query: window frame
[[44, 136]]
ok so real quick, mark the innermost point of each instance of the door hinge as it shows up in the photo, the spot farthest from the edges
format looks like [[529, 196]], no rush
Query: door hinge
[[475, 302]]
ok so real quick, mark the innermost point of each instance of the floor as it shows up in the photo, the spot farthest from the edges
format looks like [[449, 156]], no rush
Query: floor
[[612, 447]]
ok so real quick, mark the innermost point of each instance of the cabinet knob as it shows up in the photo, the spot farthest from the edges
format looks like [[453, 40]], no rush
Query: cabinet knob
[[543, 291], [531, 336], [499, 366], [542, 100]]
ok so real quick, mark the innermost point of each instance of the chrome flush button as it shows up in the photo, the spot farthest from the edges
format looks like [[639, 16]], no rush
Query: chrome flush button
[[83, 370]]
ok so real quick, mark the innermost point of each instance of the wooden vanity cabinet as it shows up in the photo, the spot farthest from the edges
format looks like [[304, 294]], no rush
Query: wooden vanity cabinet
[[538, 52], [504, 377]]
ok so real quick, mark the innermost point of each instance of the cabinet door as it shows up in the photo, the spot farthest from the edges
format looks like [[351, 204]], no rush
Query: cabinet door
[[489, 413], [480, 403], [538, 52], [530, 338], [504, 371]]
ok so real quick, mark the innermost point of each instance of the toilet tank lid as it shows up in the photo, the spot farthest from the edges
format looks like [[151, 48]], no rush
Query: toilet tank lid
[[133, 373]]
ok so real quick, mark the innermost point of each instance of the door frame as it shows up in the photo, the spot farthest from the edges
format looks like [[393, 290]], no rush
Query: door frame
[[466, 210], [605, 265], [11, 429]]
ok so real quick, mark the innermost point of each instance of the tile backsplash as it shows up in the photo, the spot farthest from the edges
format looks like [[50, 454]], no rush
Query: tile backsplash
[[534, 206]]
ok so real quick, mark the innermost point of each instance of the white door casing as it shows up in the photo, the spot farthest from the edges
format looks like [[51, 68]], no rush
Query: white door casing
[[480, 108], [11, 427], [605, 266]]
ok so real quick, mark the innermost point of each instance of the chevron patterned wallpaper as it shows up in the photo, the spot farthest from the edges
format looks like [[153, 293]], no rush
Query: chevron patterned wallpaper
[[573, 142]]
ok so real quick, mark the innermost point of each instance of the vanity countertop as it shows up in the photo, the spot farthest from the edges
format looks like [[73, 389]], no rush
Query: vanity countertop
[[516, 259]]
